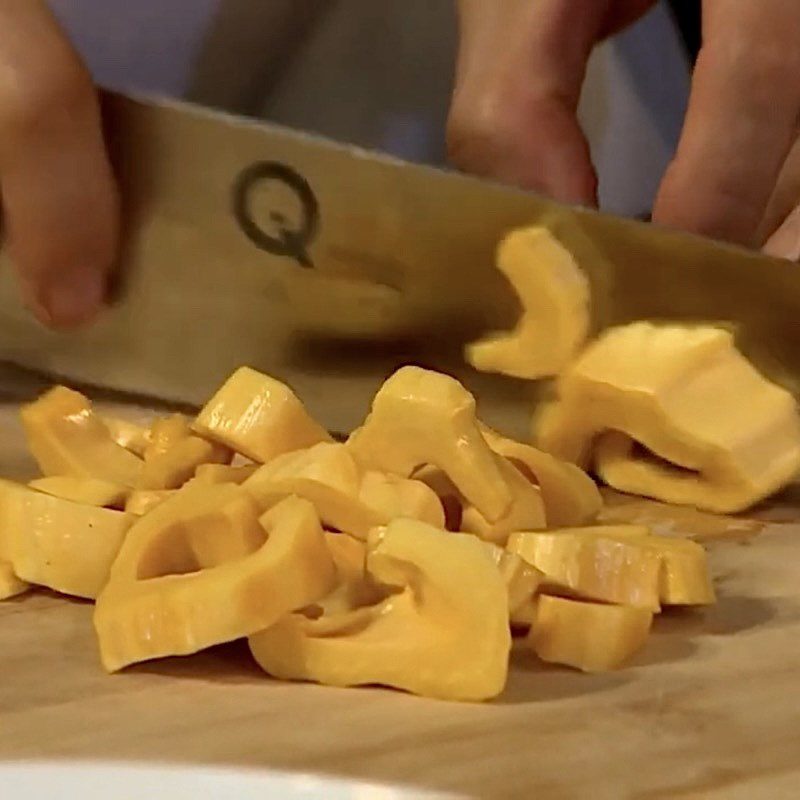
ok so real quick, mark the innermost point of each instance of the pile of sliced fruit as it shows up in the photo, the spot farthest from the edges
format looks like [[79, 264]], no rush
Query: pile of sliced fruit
[[407, 555]]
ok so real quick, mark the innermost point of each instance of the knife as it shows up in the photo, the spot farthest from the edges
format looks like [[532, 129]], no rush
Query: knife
[[328, 267]]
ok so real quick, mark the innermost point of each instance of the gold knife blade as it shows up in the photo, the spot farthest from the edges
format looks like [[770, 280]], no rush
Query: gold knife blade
[[329, 266]]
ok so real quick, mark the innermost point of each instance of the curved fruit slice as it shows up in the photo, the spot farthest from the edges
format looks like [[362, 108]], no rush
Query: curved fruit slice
[[325, 475], [66, 546], [677, 414], [224, 473], [555, 319], [259, 417], [346, 500], [571, 498], [443, 634], [599, 565], [127, 434], [153, 607], [174, 454], [526, 512], [88, 491], [588, 636], [67, 438], [421, 417], [354, 587]]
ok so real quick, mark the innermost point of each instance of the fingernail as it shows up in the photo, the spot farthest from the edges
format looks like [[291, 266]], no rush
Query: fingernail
[[73, 297]]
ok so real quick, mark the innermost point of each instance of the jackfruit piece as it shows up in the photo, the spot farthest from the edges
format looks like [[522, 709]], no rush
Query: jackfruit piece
[[442, 633], [88, 491], [606, 567], [354, 588], [677, 414], [224, 473], [401, 497], [525, 513], [588, 636], [129, 435], [65, 546], [143, 501], [345, 498], [571, 498], [521, 579], [445, 490], [174, 454], [555, 320], [259, 417], [67, 438], [179, 585], [685, 578], [421, 417]]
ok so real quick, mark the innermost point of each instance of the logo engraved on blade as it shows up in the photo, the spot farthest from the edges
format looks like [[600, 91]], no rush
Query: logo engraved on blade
[[290, 241]]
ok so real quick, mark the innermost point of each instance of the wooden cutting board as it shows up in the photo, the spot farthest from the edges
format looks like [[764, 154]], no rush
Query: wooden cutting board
[[710, 708]]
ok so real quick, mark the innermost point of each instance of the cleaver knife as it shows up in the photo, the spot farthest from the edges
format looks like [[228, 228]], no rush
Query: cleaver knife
[[328, 267]]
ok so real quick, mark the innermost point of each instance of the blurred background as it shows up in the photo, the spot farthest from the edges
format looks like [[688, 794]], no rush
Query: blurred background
[[377, 73]]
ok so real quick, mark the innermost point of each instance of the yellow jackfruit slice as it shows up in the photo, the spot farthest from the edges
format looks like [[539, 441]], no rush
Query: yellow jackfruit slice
[[610, 568], [677, 414], [588, 636], [354, 586], [442, 633], [259, 417], [224, 473], [143, 501], [161, 601], [521, 579], [10, 584], [127, 434], [67, 438], [174, 454], [571, 498], [555, 320], [66, 546], [347, 500], [88, 491], [525, 513], [420, 417], [400, 497], [685, 578]]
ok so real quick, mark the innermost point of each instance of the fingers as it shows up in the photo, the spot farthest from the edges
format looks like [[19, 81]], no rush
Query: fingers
[[59, 201], [743, 113], [519, 73]]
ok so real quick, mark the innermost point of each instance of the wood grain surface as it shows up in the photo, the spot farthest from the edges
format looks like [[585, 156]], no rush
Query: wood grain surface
[[710, 708]]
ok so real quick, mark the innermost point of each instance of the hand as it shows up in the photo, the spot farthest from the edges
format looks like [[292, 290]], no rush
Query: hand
[[518, 80], [60, 205]]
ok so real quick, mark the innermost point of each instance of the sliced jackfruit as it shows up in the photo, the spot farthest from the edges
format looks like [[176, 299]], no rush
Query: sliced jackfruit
[[443, 632], [677, 414], [161, 600], [571, 498], [259, 417], [89, 491], [420, 417], [588, 636], [67, 438], [345, 498], [608, 567], [554, 294], [68, 547]]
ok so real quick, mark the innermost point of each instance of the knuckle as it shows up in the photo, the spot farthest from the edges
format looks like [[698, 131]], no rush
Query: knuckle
[[477, 132]]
